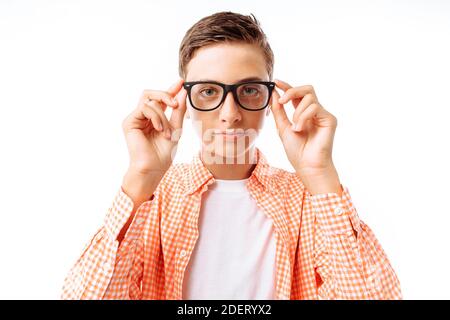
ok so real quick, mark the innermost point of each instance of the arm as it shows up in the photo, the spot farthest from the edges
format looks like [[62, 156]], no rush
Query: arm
[[349, 261], [112, 263], [115, 252], [348, 258]]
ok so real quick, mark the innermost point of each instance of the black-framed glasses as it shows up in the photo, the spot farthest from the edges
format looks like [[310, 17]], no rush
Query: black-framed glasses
[[209, 95]]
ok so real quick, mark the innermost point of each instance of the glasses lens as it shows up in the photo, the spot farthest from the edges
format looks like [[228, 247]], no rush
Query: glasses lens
[[253, 95], [206, 96]]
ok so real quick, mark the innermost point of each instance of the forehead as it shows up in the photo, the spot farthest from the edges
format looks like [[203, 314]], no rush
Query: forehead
[[227, 62]]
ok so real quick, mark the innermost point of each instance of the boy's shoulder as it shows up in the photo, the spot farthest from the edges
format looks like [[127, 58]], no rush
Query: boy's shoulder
[[279, 179]]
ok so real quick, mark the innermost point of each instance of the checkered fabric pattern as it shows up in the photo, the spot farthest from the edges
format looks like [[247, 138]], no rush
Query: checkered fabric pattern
[[323, 249]]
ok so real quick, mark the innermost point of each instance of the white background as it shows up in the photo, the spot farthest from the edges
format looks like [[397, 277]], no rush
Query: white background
[[70, 71]]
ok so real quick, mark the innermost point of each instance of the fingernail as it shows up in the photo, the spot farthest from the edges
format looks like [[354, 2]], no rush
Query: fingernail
[[168, 133], [298, 127], [175, 101]]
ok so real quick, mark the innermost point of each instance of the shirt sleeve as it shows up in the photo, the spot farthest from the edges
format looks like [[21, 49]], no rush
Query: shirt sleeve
[[105, 269], [349, 260]]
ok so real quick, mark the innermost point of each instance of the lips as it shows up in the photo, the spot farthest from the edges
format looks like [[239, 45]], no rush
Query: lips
[[231, 132], [229, 135]]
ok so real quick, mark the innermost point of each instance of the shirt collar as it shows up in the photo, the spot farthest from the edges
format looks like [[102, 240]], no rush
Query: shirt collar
[[263, 173]]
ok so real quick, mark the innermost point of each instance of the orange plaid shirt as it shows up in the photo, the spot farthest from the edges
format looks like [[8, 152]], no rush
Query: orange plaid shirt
[[318, 255]]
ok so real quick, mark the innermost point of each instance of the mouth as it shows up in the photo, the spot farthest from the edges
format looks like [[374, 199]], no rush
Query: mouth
[[229, 134]]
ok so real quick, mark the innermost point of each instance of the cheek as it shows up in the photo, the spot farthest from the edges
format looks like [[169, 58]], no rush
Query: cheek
[[201, 122], [257, 120]]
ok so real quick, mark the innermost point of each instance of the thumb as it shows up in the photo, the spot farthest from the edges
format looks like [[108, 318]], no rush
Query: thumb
[[281, 119], [175, 87], [177, 116]]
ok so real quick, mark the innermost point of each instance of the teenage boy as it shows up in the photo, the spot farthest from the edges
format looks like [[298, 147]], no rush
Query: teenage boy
[[228, 225]]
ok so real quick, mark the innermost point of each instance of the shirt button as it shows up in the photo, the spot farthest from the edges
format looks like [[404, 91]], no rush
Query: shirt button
[[139, 221], [338, 210], [182, 253]]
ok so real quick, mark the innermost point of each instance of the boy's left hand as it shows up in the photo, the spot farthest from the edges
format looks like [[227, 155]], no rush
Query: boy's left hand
[[308, 139]]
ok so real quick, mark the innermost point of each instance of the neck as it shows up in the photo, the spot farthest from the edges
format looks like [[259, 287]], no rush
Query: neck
[[228, 169]]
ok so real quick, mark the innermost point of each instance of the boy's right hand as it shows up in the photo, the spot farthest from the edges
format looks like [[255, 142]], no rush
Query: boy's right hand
[[151, 138]]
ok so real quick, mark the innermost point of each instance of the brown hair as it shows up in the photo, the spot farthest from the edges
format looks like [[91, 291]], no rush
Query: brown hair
[[224, 27]]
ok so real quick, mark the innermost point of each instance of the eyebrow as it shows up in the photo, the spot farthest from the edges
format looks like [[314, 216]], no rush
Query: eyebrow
[[241, 80]]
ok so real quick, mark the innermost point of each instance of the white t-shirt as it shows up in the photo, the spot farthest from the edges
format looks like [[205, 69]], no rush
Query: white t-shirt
[[234, 256]]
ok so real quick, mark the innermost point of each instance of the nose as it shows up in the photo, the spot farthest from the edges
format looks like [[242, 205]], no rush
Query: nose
[[230, 111]]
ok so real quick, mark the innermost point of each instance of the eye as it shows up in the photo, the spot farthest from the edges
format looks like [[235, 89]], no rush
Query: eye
[[250, 91], [208, 92]]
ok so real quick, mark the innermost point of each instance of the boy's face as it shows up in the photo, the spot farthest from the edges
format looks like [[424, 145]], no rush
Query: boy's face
[[227, 63]]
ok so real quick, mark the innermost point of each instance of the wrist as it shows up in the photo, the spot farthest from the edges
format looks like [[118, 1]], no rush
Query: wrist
[[140, 173], [321, 181], [145, 170], [140, 187]]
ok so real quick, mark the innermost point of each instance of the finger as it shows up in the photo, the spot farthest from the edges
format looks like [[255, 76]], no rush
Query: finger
[[297, 92], [286, 86], [176, 87], [306, 101], [281, 119], [164, 98], [282, 84], [135, 120], [153, 117], [177, 116], [174, 90], [157, 107], [311, 111]]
